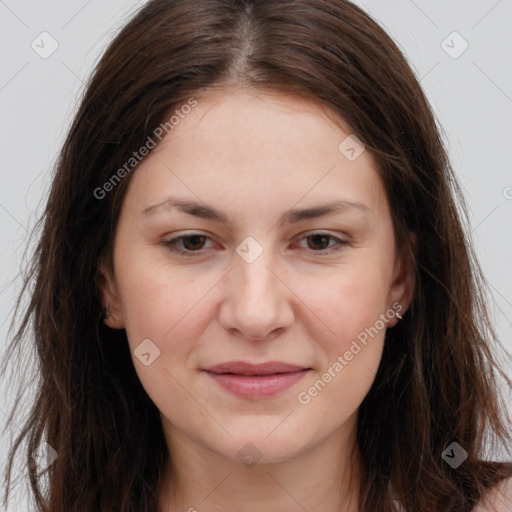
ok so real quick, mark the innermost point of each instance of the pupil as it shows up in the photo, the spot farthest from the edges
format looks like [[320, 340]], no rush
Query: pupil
[[196, 239], [317, 237]]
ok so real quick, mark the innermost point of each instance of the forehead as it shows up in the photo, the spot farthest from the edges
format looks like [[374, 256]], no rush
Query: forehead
[[273, 146], [241, 120]]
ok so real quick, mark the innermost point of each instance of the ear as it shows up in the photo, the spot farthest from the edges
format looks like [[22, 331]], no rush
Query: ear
[[402, 287], [109, 295]]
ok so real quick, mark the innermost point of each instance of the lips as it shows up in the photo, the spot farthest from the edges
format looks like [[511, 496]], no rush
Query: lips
[[256, 381], [244, 368]]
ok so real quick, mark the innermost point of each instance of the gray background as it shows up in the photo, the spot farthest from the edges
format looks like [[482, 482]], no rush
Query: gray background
[[471, 95]]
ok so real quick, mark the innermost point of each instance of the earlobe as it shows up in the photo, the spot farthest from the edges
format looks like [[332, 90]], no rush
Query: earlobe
[[111, 313], [114, 322], [402, 288]]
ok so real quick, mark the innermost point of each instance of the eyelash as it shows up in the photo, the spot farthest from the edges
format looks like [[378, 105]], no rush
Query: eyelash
[[171, 244]]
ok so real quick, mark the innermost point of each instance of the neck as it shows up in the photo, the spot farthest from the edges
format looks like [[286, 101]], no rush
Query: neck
[[325, 477]]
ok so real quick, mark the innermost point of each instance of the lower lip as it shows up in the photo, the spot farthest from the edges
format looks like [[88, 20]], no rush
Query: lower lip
[[254, 386]]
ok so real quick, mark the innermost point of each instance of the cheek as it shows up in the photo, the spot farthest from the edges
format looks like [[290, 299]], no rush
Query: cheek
[[346, 301], [158, 299], [161, 306], [351, 333], [350, 357], [166, 307]]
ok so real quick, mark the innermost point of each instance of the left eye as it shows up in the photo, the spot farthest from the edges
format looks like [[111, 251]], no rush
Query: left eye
[[321, 238], [193, 243]]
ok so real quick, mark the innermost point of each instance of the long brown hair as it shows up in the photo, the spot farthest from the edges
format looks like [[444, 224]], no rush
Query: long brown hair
[[437, 381]]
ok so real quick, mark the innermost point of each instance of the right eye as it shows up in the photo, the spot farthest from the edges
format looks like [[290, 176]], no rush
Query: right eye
[[188, 245]]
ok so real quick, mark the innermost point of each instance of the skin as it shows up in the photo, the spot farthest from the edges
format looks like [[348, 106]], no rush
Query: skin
[[254, 156]]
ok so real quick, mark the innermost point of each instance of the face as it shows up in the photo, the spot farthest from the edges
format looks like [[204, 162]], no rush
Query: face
[[223, 253]]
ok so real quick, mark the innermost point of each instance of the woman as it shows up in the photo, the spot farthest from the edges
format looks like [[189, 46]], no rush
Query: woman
[[253, 289]]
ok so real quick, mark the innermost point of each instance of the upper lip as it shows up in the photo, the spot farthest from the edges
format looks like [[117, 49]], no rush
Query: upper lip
[[244, 368]]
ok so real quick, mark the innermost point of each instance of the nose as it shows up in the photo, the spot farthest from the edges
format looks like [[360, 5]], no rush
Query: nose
[[257, 303]]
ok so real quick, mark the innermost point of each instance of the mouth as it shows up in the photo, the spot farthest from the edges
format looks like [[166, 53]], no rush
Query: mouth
[[251, 381], [245, 368]]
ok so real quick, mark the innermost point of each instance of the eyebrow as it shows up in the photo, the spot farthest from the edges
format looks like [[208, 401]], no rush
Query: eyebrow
[[292, 216]]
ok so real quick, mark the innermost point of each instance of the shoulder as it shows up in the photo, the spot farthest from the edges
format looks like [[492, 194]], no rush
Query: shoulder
[[498, 499]]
